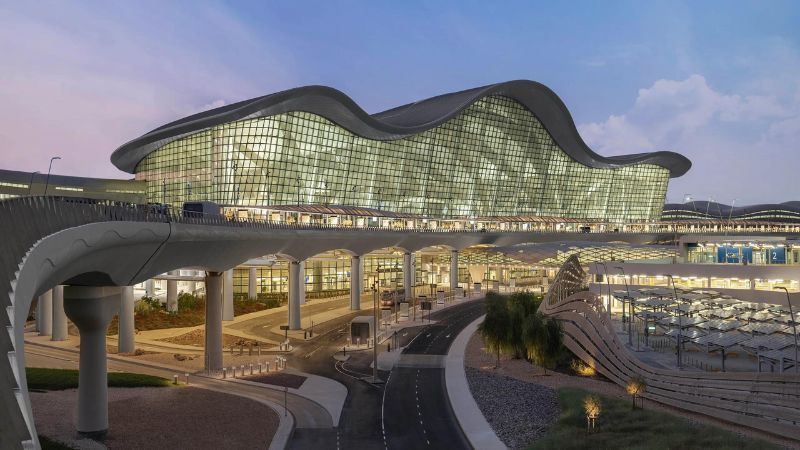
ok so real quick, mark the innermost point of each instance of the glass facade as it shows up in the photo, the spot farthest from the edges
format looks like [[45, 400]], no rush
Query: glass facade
[[327, 274], [493, 159]]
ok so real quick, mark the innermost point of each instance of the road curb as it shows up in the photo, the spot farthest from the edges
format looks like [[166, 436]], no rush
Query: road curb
[[472, 422]]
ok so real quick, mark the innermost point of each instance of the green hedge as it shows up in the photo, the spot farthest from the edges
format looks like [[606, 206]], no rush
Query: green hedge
[[60, 379]]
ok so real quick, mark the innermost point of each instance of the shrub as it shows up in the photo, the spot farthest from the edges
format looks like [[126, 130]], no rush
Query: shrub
[[188, 300], [581, 368], [147, 304], [635, 387]]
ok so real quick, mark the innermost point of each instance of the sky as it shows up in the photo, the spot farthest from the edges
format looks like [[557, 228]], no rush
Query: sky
[[717, 81]]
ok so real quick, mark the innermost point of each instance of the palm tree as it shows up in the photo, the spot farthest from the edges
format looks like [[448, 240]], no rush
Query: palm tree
[[495, 326]]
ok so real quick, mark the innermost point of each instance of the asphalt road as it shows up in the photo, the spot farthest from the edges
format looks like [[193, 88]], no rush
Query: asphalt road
[[260, 326], [416, 412], [365, 413]]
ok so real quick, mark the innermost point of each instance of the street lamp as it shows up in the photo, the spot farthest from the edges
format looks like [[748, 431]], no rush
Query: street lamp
[[375, 331], [608, 283], [794, 324], [48, 172], [30, 184], [680, 319], [630, 299]]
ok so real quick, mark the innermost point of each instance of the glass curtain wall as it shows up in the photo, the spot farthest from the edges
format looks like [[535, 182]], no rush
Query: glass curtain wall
[[493, 159]]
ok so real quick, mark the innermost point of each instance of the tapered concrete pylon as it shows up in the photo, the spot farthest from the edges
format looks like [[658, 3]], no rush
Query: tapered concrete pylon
[[126, 340], [59, 316], [213, 331], [172, 293], [252, 279], [355, 283], [294, 295], [91, 309], [453, 269], [46, 311], [227, 295], [408, 276]]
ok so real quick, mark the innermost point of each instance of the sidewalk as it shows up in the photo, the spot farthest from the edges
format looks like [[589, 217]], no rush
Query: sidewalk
[[474, 425]]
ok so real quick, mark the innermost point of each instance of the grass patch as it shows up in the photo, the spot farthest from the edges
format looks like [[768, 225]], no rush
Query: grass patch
[[621, 427], [60, 379]]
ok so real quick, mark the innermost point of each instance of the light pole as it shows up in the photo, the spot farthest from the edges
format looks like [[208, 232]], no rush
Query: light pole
[[30, 184], [608, 283], [680, 319], [793, 322], [375, 331], [630, 308], [48, 172]]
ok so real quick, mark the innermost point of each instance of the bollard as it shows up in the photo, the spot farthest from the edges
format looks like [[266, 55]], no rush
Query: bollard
[[187, 378], [267, 367], [224, 373], [260, 367], [242, 370], [175, 379], [305, 334], [233, 371], [251, 368]]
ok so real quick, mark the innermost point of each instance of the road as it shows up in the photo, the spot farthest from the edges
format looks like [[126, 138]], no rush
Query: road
[[261, 326], [416, 412]]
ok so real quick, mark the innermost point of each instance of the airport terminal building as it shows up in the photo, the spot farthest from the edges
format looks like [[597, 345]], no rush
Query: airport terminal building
[[504, 150]]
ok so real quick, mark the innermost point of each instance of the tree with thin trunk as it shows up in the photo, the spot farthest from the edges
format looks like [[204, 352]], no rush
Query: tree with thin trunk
[[543, 338], [495, 326]]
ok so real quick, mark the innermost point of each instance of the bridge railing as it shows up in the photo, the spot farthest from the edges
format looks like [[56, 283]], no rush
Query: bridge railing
[[92, 210]]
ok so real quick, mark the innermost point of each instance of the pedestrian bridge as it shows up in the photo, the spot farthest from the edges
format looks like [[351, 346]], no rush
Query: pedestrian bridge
[[48, 241]]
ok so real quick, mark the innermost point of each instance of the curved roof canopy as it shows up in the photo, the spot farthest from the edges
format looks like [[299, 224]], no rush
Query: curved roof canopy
[[773, 212], [397, 123]]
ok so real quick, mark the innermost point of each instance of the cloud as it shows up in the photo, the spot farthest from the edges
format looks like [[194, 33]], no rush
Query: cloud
[[731, 138], [78, 81]]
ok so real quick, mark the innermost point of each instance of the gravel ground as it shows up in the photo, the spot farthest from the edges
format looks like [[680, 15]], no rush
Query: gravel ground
[[161, 418], [519, 412], [476, 358]]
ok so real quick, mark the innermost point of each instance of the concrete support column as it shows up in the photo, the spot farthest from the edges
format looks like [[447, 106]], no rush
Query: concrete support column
[[316, 270], [355, 283], [453, 269], [227, 295], [91, 309], [172, 293], [294, 295], [59, 316], [213, 330], [408, 276], [125, 339], [252, 278], [303, 282], [149, 288], [46, 312]]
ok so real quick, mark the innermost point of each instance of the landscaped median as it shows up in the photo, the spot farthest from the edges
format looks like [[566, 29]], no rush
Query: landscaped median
[[148, 412], [570, 405], [41, 379], [618, 425]]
